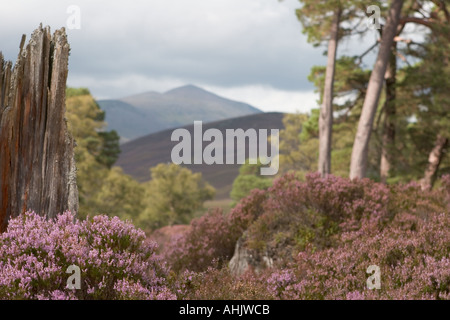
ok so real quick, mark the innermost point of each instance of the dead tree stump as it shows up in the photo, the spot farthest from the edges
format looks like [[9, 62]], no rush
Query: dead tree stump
[[37, 165]]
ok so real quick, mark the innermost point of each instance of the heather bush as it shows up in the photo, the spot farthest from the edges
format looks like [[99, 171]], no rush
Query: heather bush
[[211, 239], [114, 259], [220, 284], [323, 234], [315, 212], [412, 199], [293, 215], [247, 211], [412, 253], [297, 213], [208, 241], [445, 186]]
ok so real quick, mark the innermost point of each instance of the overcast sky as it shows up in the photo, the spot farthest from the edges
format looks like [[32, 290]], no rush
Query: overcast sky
[[247, 50]]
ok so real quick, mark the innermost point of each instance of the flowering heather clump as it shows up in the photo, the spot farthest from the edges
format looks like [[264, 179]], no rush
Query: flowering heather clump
[[323, 234], [413, 256], [280, 281], [220, 284], [316, 212], [207, 242], [114, 260], [247, 211], [300, 213], [445, 180], [334, 197], [211, 239]]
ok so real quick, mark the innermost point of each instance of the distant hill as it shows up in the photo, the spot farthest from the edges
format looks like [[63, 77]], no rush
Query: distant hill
[[138, 115], [139, 155]]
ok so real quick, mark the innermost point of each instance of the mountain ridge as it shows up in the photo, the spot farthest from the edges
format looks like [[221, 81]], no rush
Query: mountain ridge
[[149, 112], [139, 155]]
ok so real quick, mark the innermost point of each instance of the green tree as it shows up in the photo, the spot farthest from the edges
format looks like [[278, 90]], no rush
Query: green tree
[[110, 151], [434, 15], [85, 120], [172, 196], [316, 33], [349, 88], [299, 142], [360, 151], [425, 97], [120, 195], [329, 21], [249, 178], [96, 150]]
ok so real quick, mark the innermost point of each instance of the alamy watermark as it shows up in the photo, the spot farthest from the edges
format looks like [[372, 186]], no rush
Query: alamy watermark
[[190, 150], [374, 281], [74, 19], [74, 281], [373, 22]]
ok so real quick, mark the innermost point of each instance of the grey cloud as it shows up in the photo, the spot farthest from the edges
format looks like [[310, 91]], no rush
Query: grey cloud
[[224, 43]]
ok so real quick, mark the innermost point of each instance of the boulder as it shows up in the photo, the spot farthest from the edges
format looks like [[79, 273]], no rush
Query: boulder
[[245, 258]]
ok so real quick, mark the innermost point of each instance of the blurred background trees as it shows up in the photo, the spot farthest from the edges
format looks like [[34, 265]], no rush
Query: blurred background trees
[[173, 195], [249, 178], [405, 132]]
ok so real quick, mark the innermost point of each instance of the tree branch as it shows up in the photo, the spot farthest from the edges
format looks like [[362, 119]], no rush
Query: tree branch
[[359, 59], [441, 4], [425, 22]]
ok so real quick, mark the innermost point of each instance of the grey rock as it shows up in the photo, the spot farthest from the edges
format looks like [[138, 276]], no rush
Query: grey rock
[[245, 258]]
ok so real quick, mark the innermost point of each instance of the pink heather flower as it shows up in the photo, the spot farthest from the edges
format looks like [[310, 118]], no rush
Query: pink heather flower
[[35, 254]]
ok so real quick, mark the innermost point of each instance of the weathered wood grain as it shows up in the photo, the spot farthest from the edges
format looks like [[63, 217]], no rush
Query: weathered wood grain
[[37, 166]]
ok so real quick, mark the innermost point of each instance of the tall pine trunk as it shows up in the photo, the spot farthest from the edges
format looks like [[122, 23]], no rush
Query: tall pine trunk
[[434, 160], [326, 112], [388, 135], [360, 150]]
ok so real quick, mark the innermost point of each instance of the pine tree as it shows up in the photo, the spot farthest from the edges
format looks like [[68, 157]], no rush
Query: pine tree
[[359, 158]]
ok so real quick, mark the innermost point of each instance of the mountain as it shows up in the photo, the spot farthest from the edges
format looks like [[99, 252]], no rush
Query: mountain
[[150, 112], [139, 155], [130, 122]]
